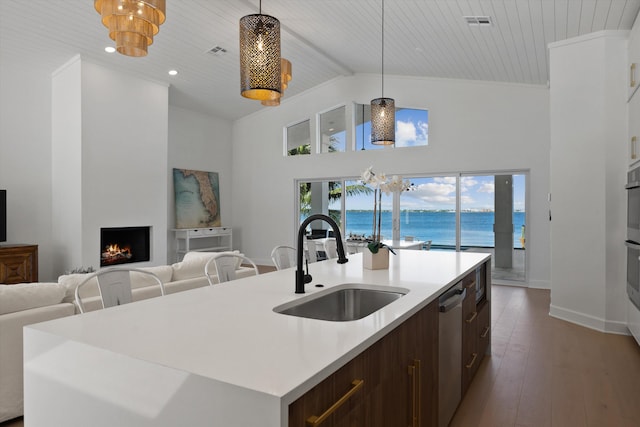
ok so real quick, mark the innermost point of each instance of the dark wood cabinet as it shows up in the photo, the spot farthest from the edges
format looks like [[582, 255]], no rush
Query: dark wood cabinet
[[395, 381], [476, 324], [392, 383], [18, 264]]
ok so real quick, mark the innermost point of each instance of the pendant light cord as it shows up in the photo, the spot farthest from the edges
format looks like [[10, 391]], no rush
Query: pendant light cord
[[382, 48], [260, 7]]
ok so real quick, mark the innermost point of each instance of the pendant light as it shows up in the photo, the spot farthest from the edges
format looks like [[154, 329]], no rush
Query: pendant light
[[132, 23], [383, 111], [285, 66], [260, 76]]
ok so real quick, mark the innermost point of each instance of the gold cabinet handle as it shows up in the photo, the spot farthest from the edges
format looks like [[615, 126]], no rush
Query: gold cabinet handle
[[473, 360], [485, 332], [473, 317], [314, 420], [416, 386], [633, 147], [471, 285], [632, 76]]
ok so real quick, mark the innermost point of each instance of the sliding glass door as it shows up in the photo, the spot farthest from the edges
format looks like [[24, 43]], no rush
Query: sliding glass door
[[428, 211], [459, 212], [493, 220]]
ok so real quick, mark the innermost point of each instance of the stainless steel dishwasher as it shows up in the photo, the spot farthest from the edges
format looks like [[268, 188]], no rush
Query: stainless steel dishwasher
[[450, 352]]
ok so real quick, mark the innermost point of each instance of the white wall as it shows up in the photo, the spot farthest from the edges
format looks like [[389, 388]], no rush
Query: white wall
[[588, 174], [109, 160], [473, 127], [66, 165], [44, 206], [199, 142], [25, 157]]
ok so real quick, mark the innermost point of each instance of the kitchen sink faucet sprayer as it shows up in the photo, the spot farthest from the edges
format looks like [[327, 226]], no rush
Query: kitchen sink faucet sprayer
[[301, 276]]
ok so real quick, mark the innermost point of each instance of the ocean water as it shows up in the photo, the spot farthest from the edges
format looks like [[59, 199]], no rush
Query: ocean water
[[440, 227]]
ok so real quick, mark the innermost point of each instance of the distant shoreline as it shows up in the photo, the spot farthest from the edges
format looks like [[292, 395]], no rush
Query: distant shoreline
[[434, 210]]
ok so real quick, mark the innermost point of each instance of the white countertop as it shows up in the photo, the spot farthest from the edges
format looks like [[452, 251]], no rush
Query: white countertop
[[229, 332]]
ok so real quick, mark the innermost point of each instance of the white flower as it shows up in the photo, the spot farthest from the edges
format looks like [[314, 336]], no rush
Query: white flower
[[382, 183], [368, 175]]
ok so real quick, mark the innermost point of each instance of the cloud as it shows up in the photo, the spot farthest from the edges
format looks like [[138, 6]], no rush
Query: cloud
[[435, 194], [487, 187], [409, 134]]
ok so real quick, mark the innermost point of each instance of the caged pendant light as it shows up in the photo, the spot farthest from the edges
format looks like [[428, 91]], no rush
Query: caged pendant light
[[260, 75], [383, 111], [132, 23]]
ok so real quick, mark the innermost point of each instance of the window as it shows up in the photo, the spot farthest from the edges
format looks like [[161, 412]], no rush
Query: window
[[492, 218], [428, 211], [412, 128], [298, 139], [333, 130], [320, 197], [359, 211], [478, 213]]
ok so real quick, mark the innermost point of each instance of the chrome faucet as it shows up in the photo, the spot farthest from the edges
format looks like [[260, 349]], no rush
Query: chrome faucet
[[301, 276]]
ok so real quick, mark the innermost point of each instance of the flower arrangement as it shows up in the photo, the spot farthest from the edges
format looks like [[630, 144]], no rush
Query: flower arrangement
[[381, 184]]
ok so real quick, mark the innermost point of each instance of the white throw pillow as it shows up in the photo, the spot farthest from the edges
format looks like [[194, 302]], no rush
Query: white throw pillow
[[192, 265], [24, 296], [70, 282], [141, 280]]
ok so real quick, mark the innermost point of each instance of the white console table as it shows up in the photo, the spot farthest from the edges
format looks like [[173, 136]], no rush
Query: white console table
[[213, 239]]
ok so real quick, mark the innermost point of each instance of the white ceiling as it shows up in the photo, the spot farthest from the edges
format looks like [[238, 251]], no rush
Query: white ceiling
[[322, 38]]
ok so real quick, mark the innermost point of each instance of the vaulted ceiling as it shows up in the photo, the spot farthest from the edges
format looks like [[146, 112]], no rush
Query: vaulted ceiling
[[323, 39]]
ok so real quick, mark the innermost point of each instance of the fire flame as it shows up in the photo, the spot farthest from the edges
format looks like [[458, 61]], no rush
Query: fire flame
[[114, 252]]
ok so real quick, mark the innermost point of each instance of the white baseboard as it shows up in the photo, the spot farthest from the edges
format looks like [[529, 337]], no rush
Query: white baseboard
[[534, 284], [539, 284], [588, 321]]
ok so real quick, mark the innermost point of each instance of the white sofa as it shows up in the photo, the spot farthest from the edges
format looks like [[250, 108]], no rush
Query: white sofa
[[27, 303]]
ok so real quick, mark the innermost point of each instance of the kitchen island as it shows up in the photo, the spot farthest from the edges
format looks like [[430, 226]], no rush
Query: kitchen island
[[217, 355]]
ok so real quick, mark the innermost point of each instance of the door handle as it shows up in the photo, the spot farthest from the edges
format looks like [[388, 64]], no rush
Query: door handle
[[414, 371], [314, 421], [473, 317]]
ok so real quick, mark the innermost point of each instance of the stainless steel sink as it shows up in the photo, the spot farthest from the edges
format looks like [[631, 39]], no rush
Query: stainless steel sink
[[351, 301]]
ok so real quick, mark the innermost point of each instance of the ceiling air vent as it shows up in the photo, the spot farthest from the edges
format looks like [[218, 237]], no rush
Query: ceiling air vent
[[217, 51], [478, 20]]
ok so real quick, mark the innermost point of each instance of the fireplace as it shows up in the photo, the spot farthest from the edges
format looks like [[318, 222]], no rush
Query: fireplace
[[124, 245]]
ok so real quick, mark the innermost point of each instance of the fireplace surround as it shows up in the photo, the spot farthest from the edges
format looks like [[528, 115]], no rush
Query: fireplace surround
[[124, 245]]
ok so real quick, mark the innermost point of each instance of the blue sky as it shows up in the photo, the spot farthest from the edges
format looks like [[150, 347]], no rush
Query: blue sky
[[477, 193], [412, 129]]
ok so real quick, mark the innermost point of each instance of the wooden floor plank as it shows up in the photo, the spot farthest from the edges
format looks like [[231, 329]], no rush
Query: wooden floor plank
[[547, 372]]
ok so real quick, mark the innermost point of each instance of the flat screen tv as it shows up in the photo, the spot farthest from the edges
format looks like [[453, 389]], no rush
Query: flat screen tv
[[3, 215]]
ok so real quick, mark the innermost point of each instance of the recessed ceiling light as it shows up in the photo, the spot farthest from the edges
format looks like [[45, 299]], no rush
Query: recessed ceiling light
[[173, 72], [109, 49]]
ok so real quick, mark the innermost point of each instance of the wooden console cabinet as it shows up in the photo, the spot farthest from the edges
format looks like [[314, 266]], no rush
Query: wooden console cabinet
[[18, 264]]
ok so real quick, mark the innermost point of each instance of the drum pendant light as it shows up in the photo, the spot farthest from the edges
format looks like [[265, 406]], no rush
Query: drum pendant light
[[383, 111], [260, 76]]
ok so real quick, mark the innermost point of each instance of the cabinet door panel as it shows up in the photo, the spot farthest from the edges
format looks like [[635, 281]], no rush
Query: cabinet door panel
[[484, 330], [18, 264], [469, 332], [352, 412], [634, 130], [427, 329]]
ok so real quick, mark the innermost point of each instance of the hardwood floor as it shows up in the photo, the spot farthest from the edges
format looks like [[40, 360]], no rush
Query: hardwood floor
[[546, 372]]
